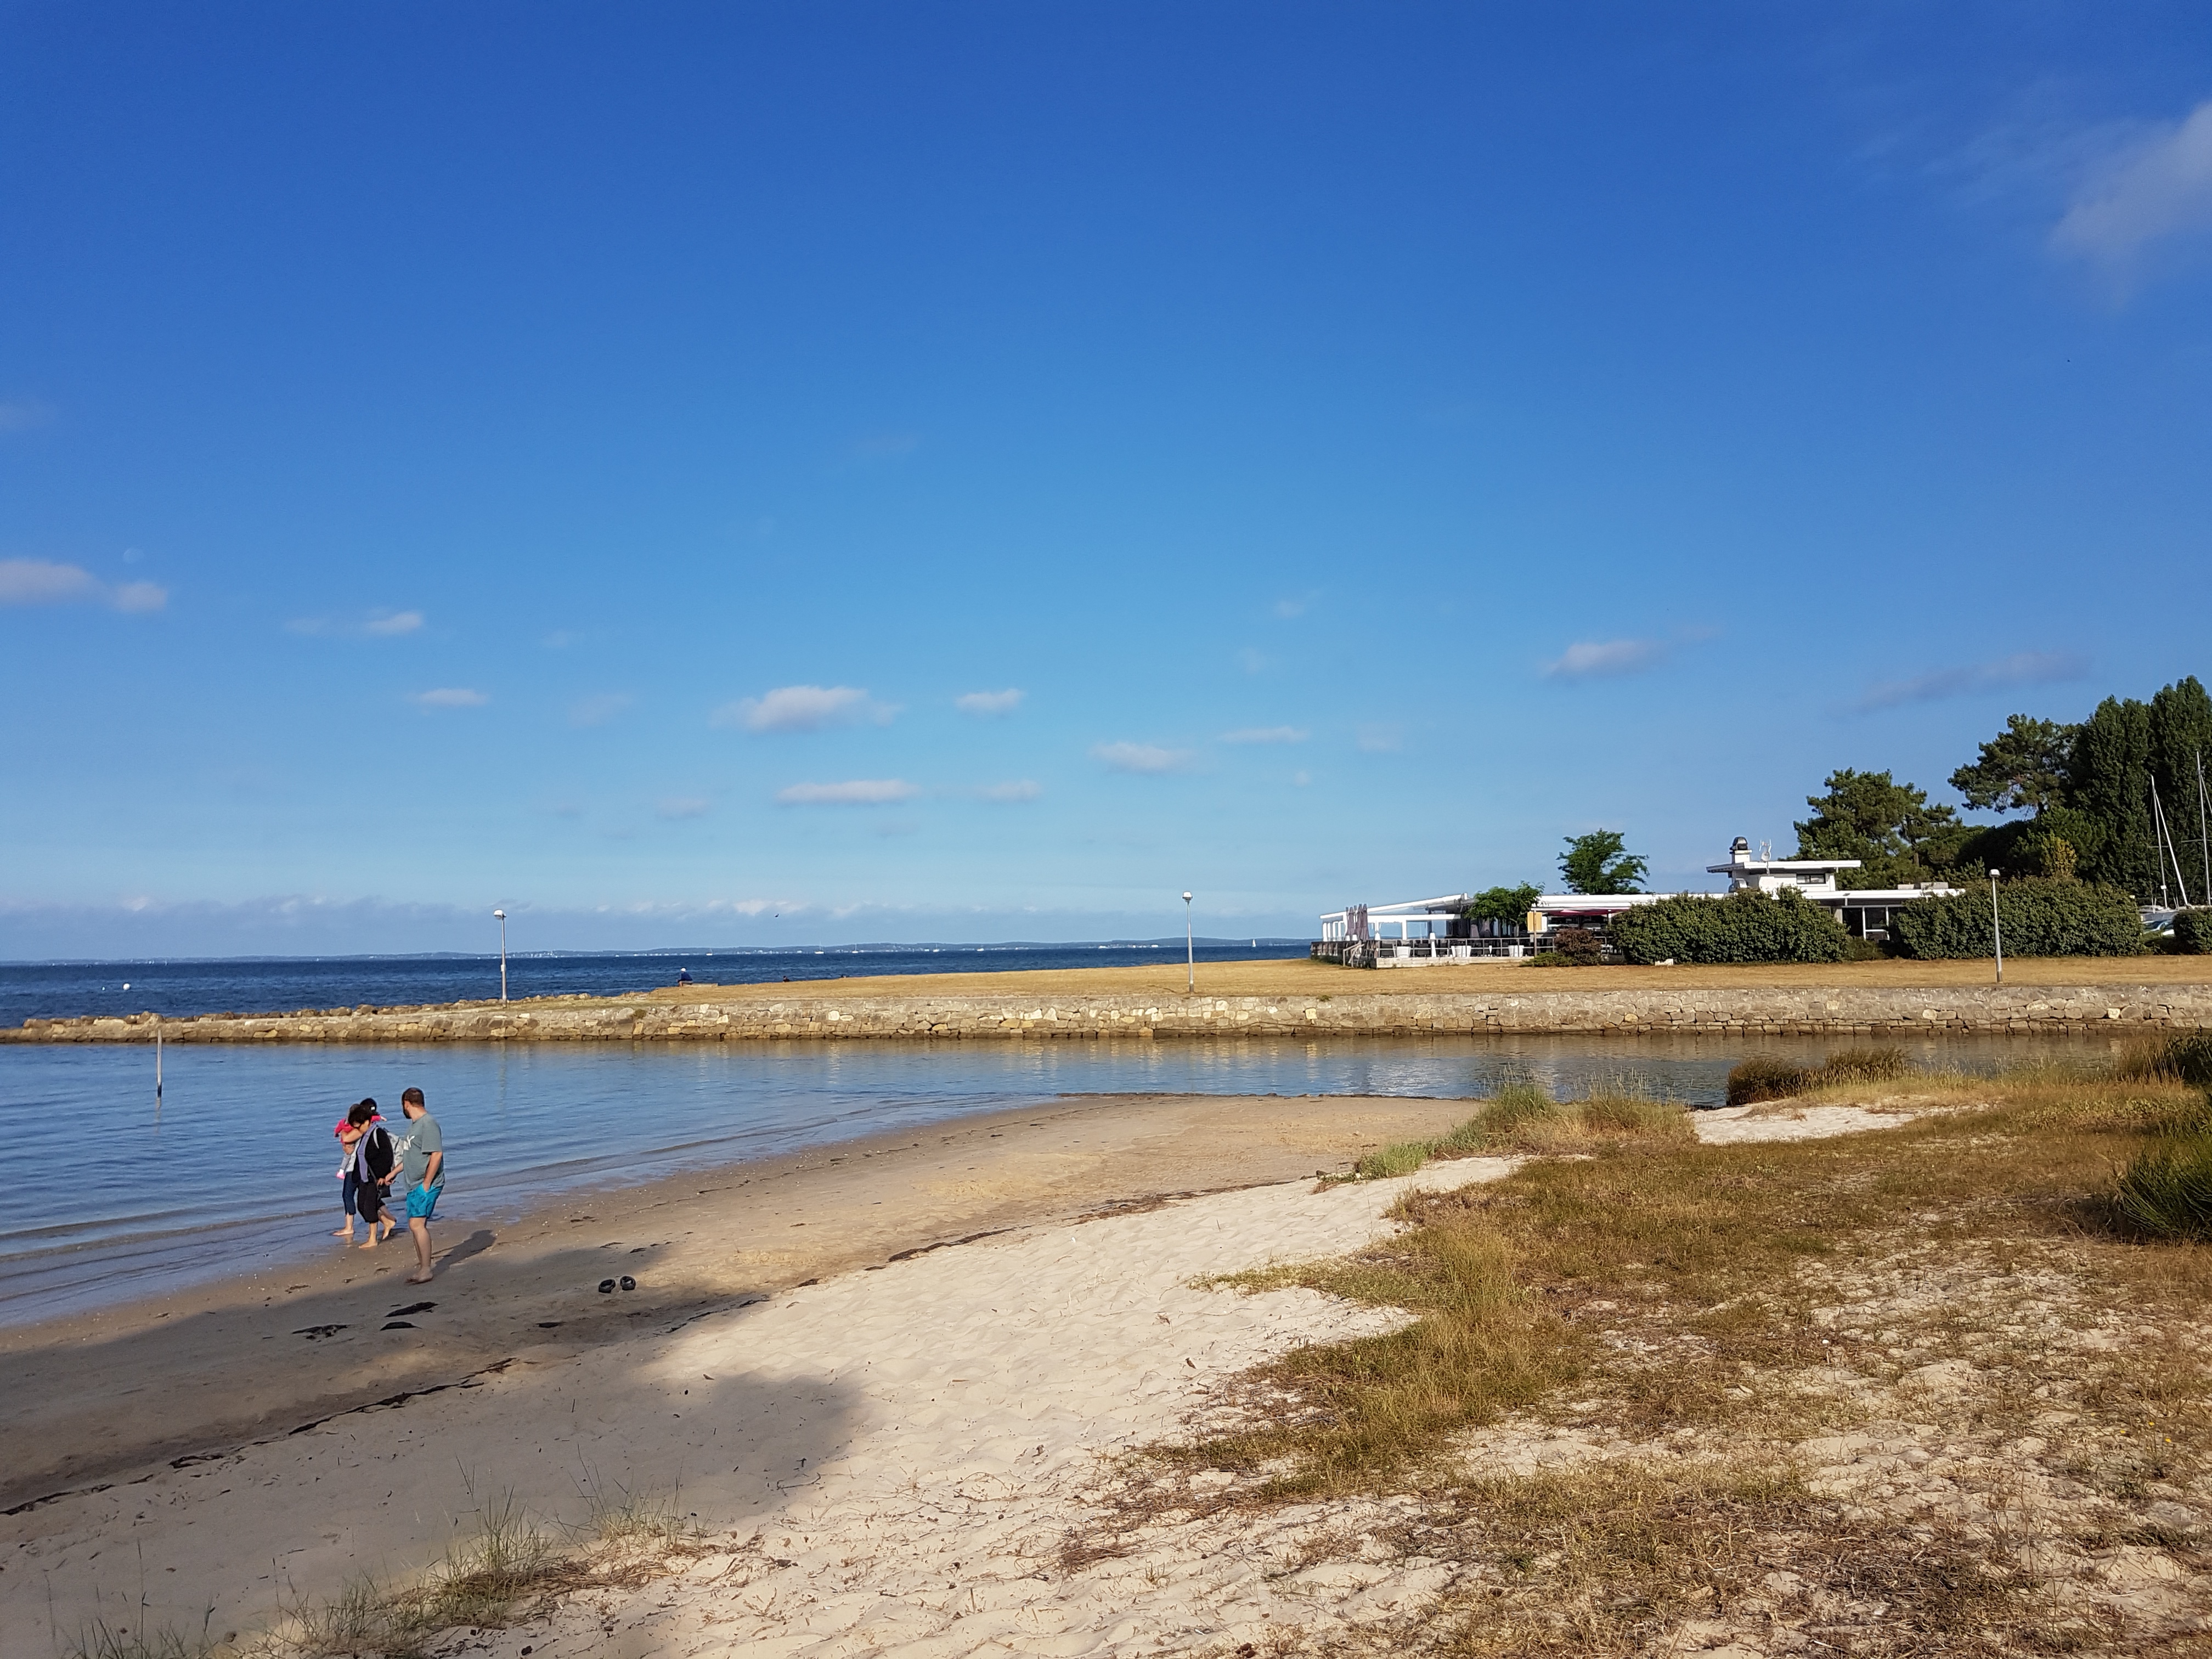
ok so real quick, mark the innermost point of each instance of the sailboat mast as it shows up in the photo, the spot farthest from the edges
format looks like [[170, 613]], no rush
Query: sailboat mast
[[2158, 848], [2203, 835], [2173, 853]]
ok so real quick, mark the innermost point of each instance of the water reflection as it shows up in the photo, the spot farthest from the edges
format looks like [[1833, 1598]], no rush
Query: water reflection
[[105, 1215]]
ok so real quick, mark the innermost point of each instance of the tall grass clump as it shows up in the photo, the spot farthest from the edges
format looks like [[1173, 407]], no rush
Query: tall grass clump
[[2186, 1058], [1763, 1076], [2166, 1191], [1403, 1159], [1521, 1118]]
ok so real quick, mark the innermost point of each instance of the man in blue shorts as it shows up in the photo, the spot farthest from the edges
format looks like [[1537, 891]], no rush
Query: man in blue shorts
[[423, 1169]]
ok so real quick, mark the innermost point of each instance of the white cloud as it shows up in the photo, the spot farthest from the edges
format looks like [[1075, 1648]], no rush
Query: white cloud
[[803, 709], [600, 709], [1265, 734], [139, 598], [37, 581], [41, 581], [449, 697], [377, 624], [1024, 789], [1254, 662], [989, 702], [559, 639], [682, 806], [21, 414], [1301, 778], [1381, 739], [858, 792], [2157, 187], [1289, 609], [2022, 668], [1592, 659], [1146, 759]]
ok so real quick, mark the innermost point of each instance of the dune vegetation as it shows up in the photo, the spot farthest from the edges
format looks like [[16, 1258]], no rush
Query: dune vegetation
[[1715, 1338]]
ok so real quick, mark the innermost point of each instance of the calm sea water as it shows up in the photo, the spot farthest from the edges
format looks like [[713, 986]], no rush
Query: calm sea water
[[108, 1199], [281, 984]]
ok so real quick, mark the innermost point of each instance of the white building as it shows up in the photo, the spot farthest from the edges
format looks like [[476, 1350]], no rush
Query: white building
[[1426, 932]]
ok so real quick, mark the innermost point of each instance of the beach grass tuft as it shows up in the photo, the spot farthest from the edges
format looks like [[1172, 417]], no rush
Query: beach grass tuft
[[511, 1568], [2165, 1190], [98, 1640], [1521, 1119]]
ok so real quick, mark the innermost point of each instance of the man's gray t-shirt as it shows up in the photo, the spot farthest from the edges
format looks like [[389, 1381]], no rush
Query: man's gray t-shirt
[[421, 1140]]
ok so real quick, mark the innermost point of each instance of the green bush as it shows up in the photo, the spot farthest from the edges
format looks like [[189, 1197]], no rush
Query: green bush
[[1578, 947], [1743, 926], [2042, 918], [2192, 932]]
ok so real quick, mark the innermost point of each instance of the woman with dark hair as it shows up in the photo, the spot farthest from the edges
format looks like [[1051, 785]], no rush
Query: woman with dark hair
[[348, 1131], [368, 1172]]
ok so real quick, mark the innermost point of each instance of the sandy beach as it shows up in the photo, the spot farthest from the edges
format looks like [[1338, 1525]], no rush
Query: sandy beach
[[188, 1388], [884, 1381]]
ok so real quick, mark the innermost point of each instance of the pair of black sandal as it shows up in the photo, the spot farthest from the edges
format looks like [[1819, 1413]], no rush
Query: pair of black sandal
[[607, 1286]]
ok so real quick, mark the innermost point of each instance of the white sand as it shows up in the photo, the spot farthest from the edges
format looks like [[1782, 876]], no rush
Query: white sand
[[1728, 1125]]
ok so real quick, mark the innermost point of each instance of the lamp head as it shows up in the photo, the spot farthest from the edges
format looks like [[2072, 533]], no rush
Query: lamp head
[[1186, 898], [501, 915], [1993, 875]]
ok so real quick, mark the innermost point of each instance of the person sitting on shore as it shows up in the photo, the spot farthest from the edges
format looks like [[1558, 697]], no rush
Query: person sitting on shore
[[422, 1171]]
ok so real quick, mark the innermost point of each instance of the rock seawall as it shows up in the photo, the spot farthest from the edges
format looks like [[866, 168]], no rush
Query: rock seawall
[[1839, 1010]]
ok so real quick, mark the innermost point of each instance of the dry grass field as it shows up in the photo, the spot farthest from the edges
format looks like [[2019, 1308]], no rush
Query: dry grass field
[[1301, 977]]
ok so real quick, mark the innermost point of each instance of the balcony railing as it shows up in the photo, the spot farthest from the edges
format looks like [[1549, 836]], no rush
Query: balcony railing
[[1379, 952]]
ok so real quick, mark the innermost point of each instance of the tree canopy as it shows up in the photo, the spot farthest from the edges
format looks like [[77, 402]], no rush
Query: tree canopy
[[1600, 863], [1504, 905], [2022, 769], [1889, 826]]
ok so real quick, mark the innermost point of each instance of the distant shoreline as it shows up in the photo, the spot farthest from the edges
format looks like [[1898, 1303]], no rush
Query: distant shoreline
[[871, 947], [1290, 997]]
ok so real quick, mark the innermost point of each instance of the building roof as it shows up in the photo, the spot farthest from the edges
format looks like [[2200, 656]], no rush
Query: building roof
[[1769, 867]]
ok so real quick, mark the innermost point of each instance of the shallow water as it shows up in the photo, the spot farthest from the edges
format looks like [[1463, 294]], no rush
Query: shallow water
[[108, 1200]]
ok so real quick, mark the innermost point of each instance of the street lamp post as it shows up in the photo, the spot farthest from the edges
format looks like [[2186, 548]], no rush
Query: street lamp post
[[1997, 923], [1189, 944], [501, 915]]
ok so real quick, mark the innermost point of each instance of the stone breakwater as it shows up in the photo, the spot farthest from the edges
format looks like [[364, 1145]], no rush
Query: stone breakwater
[[1839, 1010]]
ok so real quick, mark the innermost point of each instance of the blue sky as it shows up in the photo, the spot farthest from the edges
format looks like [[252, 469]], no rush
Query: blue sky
[[722, 474]]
